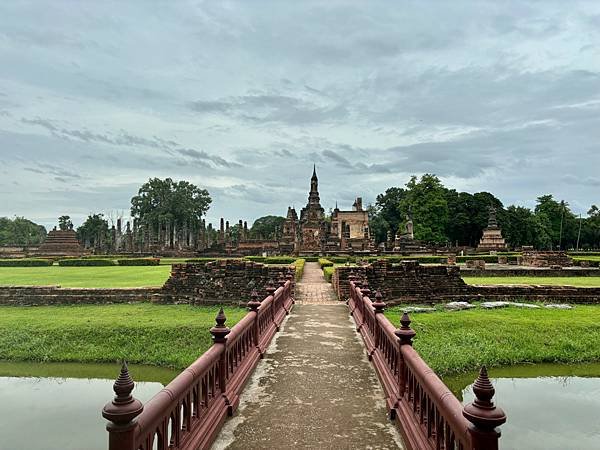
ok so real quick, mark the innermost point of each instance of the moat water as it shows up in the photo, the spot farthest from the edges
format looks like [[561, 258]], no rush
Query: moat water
[[548, 406], [58, 406]]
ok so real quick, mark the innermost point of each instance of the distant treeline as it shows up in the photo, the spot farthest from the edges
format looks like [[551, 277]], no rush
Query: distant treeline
[[20, 232], [445, 216]]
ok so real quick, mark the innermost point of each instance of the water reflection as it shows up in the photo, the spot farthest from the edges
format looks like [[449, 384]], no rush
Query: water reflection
[[53, 413], [546, 412]]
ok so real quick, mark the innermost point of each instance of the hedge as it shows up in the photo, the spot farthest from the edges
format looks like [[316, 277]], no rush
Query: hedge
[[255, 258], [341, 259], [203, 260], [311, 258], [139, 262], [279, 260], [299, 269], [328, 273], [323, 262], [86, 262], [25, 262]]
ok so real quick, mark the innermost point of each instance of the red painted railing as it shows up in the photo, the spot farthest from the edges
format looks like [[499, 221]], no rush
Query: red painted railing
[[189, 412], [428, 415]]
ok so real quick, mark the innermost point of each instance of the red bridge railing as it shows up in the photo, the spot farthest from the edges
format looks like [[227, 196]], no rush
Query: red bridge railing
[[427, 413], [190, 411]]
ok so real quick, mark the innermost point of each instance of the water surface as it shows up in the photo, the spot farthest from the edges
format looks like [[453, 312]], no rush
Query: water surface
[[548, 406], [58, 406]]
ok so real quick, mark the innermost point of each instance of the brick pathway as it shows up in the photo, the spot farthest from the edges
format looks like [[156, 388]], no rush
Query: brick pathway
[[315, 388], [313, 288]]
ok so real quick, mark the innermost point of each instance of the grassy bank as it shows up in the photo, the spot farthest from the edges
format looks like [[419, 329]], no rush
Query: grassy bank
[[459, 341], [111, 276], [162, 335], [562, 281]]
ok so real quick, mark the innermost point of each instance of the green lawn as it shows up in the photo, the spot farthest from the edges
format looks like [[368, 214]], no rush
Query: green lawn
[[562, 281], [163, 335], [591, 258], [458, 341], [117, 276]]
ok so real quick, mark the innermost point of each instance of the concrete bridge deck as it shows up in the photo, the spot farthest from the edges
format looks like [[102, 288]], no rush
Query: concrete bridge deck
[[315, 388]]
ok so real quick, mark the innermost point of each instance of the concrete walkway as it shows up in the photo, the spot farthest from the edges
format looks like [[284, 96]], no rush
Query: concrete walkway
[[315, 389]]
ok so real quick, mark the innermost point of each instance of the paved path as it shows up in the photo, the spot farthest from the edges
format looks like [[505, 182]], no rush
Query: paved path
[[315, 389]]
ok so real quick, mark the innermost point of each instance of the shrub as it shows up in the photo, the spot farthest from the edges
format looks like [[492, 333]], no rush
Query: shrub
[[203, 260], [279, 260], [328, 273], [341, 259], [299, 269], [86, 262], [255, 258], [311, 258], [25, 262], [325, 263], [139, 262]]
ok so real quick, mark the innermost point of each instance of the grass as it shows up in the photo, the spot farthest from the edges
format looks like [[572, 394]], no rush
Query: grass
[[162, 335], [459, 341], [590, 258], [98, 277], [557, 281]]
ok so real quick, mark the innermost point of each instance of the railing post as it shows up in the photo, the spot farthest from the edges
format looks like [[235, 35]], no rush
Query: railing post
[[121, 413], [253, 306], [219, 334], [281, 283], [379, 306], [405, 336], [290, 278], [271, 292], [484, 415]]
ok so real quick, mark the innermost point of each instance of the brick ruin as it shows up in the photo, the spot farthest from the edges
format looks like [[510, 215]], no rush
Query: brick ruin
[[218, 282], [410, 282], [60, 243], [492, 239], [546, 259], [225, 281]]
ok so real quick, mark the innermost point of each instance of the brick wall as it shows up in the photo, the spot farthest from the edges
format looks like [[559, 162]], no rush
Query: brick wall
[[53, 295], [223, 281], [409, 282]]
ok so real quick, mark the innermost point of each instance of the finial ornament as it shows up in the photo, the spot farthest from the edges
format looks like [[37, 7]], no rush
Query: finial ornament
[[405, 333], [482, 412], [220, 331], [270, 287], [378, 304], [254, 303], [124, 407]]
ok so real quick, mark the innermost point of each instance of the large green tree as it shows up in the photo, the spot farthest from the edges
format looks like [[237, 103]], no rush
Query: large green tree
[[94, 232], [162, 202], [560, 222], [64, 223], [20, 231], [425, 199], [267, 227]]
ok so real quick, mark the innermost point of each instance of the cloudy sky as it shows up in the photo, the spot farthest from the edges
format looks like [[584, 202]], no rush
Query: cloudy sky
[[242, 97]]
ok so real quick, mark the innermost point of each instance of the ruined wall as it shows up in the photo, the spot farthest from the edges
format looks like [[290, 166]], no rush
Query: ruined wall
[[224, 281], [409, 282], [55, 295]]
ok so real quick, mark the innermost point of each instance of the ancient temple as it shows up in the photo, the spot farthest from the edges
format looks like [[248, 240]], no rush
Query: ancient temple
[[313, 232], [492, 239], [61, 243]]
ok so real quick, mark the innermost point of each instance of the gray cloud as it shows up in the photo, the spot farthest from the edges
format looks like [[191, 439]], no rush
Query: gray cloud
[[242, 98]]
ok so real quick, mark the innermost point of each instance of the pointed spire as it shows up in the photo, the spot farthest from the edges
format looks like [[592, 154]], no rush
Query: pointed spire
[[314, 170]]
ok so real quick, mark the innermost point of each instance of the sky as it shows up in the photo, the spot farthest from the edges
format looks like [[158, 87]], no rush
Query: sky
[[241, 98]]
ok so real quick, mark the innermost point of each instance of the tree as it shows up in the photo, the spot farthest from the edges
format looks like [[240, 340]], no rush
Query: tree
[[168, 205], [387, 207], [267, 227], [426, 200], [64, 223], [94, 232], [560, 222], [20, 231]]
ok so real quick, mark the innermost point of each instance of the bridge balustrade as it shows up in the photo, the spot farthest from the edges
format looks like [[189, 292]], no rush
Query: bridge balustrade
[[427, 413], [190, 411]]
